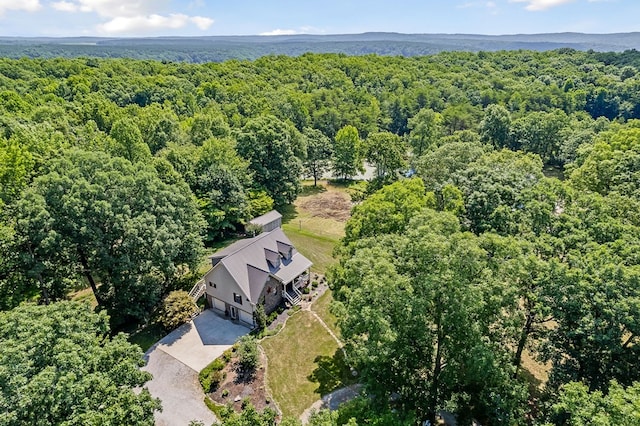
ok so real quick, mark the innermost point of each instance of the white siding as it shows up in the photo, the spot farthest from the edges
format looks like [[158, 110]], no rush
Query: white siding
[[246, 317]]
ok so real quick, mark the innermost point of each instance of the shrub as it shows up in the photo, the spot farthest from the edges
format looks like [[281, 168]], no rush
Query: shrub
[[314, 284], [248, 356], [212, 375], [177, 308], [260, 317], [225, 393], [306, 290]]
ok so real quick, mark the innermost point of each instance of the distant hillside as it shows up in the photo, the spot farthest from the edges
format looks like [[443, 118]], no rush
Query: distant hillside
[[220, 48]]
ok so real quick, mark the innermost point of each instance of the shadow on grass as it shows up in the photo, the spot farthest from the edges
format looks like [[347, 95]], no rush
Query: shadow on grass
[[288, 212], [146, 336], [308, 190], [535, 385], [331, 373]]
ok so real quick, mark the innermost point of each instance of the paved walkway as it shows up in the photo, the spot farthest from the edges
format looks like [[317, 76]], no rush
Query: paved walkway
[[176, 360]]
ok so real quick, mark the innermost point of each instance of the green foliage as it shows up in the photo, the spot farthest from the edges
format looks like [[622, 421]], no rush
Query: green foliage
[[177, 308], [386, 151], [260, 317], [386, 211], [248, 417], [425, 130], [319, 151], [347, 158], [58, 365], [577, 406], [126, 230], [212, 375], [248, 353], [274, 150]]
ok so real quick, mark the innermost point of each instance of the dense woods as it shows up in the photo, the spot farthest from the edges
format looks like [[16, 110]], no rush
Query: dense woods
[[465, 253]]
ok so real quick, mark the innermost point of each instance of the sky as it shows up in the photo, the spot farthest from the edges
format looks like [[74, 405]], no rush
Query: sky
[[134, 18]]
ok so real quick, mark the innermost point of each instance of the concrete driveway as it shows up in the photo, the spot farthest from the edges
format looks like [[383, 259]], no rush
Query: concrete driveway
[[176, 360]]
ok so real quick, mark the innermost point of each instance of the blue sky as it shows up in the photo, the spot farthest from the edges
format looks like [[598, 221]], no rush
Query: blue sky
[[233, 17]]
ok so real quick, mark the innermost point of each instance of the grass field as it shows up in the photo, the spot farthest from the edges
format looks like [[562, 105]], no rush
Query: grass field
[[305, 361], [304, 364], [321, 307]]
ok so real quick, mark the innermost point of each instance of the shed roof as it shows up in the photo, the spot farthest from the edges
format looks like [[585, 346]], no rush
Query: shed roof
[[266, 218]]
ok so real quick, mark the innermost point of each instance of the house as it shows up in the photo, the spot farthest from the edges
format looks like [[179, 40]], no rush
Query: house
[[263, 270]]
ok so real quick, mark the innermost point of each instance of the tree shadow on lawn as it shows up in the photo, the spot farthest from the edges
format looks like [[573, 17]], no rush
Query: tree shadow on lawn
[[308, 190], [288, 212], [331, 373]]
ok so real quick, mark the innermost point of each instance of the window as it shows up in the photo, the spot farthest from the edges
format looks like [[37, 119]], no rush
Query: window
[[237, 298], [212, 284]]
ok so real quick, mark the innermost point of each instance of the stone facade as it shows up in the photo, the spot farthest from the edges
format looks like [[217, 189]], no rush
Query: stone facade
[[271, 295]]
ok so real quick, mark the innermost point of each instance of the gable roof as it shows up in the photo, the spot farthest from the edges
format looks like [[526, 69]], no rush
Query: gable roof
[[247, 262], [266, 218]]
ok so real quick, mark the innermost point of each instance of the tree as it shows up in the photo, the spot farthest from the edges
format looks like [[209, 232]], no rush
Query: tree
[[492, 188], [129, 143], [611, 164], [347, 159], [177, 308], [438, 167], [388, 210], [386, 151], [248, 354], [58, 365], [495, 127], [273, 150], [577, 406], [420, 319], [16, 166], [126, 231], [541, 133], [319, 151], [248, 417], [425, 129]]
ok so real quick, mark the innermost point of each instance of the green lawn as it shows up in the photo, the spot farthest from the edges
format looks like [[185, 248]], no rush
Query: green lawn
[[317, 249], [304, 364], [321, 307]]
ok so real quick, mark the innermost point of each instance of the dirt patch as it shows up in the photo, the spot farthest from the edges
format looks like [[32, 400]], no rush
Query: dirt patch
[[236, 388], [328, 205]]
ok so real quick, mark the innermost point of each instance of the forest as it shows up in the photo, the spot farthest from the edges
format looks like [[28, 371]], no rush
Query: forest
[[503, 221]]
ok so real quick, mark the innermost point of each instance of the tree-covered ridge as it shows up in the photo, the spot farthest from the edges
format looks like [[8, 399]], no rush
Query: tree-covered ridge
[[224, 48]]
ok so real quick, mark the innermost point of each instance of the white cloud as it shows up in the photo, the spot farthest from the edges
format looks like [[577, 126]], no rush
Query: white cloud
[[132, 16], [202, 22], [24, 5], [538, 5], [278, 31], [64, 6]]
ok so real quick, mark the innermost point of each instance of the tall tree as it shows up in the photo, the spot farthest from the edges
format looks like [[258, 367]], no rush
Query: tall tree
[[319, 152], [386, 151], [423, 314], [495, 127], [274, 150], [347, 158], [58, 365], [126, 231], [425, 130]]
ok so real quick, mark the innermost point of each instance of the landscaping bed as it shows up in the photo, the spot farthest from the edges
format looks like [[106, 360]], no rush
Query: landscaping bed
[[238, 389]]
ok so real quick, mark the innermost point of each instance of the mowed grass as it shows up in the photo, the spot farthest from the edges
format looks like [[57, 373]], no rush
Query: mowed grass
[[321, 307], [315, 248], [304, 363]]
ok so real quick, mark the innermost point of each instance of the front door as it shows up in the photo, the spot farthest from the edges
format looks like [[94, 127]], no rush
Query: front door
[[233, 312]]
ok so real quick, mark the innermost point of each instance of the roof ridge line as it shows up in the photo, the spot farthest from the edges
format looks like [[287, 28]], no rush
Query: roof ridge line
[[255, 239]]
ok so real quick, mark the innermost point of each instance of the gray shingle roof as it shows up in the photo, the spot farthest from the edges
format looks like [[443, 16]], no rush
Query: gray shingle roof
[[246, 261], [266, 218]]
